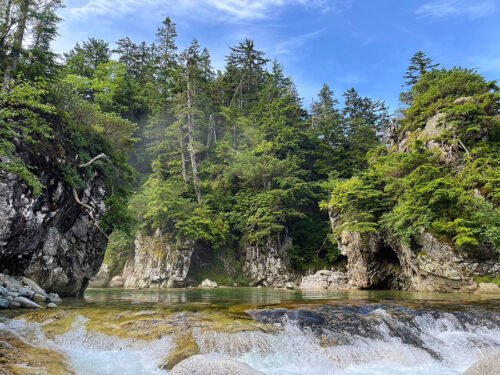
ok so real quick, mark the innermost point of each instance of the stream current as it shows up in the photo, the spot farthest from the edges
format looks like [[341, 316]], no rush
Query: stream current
[[279, 332]]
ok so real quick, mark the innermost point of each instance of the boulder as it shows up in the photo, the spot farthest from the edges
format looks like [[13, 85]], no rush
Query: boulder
[[290, 285], [325, 279], [14, 305], [51, 305], [205, 365], [32, 285], [27, 303], [9, 282], [487, 288], [101, 280], [54, 297], [488, 365], [4, 303], [117, 282], [39, 298], [26, 292], [208, 284]]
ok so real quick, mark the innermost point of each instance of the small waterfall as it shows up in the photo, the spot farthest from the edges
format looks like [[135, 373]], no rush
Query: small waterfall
[[321, 340]]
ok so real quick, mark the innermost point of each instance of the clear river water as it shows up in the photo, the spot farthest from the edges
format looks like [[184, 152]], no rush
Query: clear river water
[[279, 332]]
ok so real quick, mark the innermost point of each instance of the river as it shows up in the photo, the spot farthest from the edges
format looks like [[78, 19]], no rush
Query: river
[[279, 332]]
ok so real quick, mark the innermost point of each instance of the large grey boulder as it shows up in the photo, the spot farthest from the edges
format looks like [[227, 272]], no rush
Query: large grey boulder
[[325, 279], [488, 365], [208, 284], [205, 365]]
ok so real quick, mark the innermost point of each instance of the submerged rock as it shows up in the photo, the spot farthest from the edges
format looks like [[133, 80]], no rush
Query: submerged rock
[[488, 365], [205, 365]]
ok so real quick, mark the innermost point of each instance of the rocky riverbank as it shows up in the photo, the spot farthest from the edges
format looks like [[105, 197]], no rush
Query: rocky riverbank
[[21, 292]]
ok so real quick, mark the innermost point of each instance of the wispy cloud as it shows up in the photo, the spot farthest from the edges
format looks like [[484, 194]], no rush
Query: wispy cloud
[[214, 9], [291, 44], [468, 8]]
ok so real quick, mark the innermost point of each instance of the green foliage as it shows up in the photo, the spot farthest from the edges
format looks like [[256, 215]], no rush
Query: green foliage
[[24, 114], [420, 190]]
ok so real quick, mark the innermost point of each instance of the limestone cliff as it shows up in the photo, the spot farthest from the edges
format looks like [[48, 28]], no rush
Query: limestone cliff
[[50, 238], [267, 263]]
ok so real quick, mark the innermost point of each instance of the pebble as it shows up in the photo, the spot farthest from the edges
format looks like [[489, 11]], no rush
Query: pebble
[[51, 305]]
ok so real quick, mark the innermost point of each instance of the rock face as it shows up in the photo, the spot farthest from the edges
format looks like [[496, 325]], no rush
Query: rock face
[[158, 262], [325, 279], [268, 263], [51, 239], [205, 365], [428, 265]]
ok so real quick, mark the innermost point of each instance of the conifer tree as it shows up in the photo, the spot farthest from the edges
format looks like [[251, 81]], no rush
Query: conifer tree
[[420, 64]]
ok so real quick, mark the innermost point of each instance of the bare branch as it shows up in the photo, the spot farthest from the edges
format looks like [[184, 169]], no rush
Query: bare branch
[[100, 156], [91, 214]]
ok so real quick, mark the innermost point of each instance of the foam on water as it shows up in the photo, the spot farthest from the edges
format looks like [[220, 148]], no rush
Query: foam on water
[[299, 351], [93, 353], [440, 343]]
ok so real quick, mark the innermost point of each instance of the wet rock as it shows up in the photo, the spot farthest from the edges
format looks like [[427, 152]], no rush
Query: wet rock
[[4, 303], [325, 279], [25, 302], [51, 305], [117, 282], [26, 292], [488, 365], [205, 365], [14, 305], [32, 285], [54, 297], [39, 298], [488, 288], [9, 282], [208, 284]]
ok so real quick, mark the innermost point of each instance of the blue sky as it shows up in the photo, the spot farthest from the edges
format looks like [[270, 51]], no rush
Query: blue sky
[[364, 44]]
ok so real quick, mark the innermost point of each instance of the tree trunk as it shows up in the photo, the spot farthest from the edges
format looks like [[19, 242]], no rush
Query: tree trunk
[[190, 123], [4, 31], [183, 158], [17, 45]]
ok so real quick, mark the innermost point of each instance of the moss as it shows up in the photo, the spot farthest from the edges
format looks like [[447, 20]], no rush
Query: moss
[[489, 279]]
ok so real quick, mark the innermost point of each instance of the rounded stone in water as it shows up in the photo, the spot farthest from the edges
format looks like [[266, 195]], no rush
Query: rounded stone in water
[[203, 365]]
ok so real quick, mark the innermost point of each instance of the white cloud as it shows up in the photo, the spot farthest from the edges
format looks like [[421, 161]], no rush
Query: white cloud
[[289, 45], [469, 8], [219, 9]]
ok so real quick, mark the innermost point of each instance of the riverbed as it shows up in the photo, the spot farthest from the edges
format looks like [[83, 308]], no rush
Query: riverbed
[[279, 332]]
